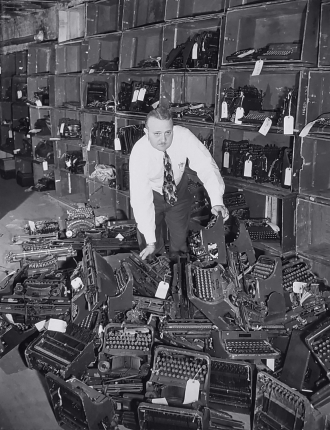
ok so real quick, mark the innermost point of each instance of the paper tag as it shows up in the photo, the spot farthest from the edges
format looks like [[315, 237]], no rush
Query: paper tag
[[273, 226], [224, 110], [61, 258], [62, 127], [264, 129], [288, 177], [135, 95], [68, 163], [288, 124], [32, 226], [142, 94], [89, 144], [38, 103], [40, 325], [160, 401], [244, 54], [28, 136], [117, 144], [192, 391], [56, 325], [194, 51], [10, 133], [44, 165], [19, 94], [248, 169], [91, 71], [226, 160], [162, 290], [257, 67], [76, 283], [238, 115], [270, 362], [307, 129], [69, 233], [298, 287], [120, 236], [155, 105]]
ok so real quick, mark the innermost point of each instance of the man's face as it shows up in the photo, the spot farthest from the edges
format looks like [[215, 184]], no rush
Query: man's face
[[160, 133]]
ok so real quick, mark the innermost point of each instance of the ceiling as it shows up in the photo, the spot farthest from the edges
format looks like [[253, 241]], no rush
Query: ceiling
[[14, 8]]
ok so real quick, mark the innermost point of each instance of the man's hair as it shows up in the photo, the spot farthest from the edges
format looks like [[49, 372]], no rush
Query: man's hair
[[159, 113]]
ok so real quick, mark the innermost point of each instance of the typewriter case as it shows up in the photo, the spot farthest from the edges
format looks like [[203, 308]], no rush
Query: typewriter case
[[78, 406]]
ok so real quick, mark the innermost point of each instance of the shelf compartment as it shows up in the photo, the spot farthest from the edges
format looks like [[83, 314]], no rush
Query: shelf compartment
[[19, 88], [67, 91], [71, 23], [293, 24], [21, 62], [137, 13], [313, 230], [98, 88], [68, 184], [57, 114], [6, 89], [103, 53], [101, 196], [71, 57], [122, 168], [20, 112], [37, 157], [188, 8], [8, 65], [41, 59], [89, 119], [41, 88], [324, 50], [123, 206], [103, 17], [5, 112], [39, 170], [178, 33], [275, 85], [45, 124], [97, 156], [61, 147], [141, 47], [288, 178]]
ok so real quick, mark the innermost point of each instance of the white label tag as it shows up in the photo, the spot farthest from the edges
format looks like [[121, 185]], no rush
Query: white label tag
[[117, 144], [307, 129], [32, 226], [38, 103], [162, 290], [226, 160], [192, 391], [238, 115], [62, 128], [135, 95], [44, 165], [56, 325], [224, 110], [89, 144], [40, 325], [28, 136], [288, 177], [142, 94], [19, 94], [160, 401], [91, 71], [155, 105], [248, 169], [288, 124], [194, 51], [270, 362], [244, 54], [264, 129], [76, 283], [10, 134], [68, 163], [257, 67], [298, 287], [273, 226], [120, 236]]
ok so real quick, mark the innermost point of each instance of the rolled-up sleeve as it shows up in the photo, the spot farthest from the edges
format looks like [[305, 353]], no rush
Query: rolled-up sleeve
[[141, 196], [206, 168]]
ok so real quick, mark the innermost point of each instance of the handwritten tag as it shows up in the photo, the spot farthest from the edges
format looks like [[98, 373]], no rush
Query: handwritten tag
[[10, 134], [248, 169], [32, 226], [19, 94], [142, 94], [273, 226], [264, 129], [288, 124], [288, 177], [117, 144], [38, 103], [119, 236], [89, 144], [238, 115], [44, 165], [298, 287], [226, 160], [76, 283], [40, 325], [194, 51], [135, 95], [307, 129], [162, 290], [257, 67], [160, 401], [224, 110], [244, 54], [56, 325], [62, 128], [192, 391]]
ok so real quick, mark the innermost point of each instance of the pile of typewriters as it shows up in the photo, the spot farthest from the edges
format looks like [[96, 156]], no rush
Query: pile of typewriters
[[219, 338]]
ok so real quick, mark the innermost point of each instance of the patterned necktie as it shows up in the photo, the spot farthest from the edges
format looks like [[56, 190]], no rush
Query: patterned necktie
[[169, 188]]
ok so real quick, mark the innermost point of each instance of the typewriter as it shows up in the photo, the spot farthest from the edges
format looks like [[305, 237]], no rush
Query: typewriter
[[210, 289], [173, 368], [96, 92], [295, 270], [319, 343], [280, 51], [258, 117], [63, 354], [260, 230], [129, 135], [69, 128], [278, 406], [78, 406], [154, 306], [103, 134], [152, 416]]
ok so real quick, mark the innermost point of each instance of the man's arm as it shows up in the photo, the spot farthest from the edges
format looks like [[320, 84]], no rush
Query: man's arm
[[142, 197]]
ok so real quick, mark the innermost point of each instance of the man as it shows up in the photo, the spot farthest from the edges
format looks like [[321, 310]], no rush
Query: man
[[159, 184]]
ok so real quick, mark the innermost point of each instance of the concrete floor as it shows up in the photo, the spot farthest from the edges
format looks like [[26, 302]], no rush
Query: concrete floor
[[23, 400]]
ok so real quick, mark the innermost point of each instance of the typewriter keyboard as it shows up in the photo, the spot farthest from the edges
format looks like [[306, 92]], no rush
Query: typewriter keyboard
[[131, 340], [263, 268], [248, 347], [122, 279], [320, 345], [298, 272], [206, 283], [262, 233]]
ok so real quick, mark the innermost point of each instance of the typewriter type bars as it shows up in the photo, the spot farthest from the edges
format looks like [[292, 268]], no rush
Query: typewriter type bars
[[240, 345], [161, 417], [319, 343], [296, 271], [62, 353], [279, 407], [128, 340], [231, 385]]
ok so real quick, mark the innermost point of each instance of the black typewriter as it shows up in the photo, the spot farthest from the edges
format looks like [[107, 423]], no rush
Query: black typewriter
[[295, 270], [96, 92], [258, 117], [103, 134], [64, 354], [319, 343], [129, 135], [280, 51], [76, 405], [259, 230], [210, 289]]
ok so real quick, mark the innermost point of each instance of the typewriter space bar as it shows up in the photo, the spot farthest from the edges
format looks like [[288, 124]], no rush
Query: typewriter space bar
[[50, 354]]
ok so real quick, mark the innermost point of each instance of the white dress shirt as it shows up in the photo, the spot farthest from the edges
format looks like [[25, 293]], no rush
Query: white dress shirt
[[146, 172]]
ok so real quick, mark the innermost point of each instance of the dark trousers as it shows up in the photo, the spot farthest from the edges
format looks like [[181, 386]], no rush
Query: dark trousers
[[176, 218]]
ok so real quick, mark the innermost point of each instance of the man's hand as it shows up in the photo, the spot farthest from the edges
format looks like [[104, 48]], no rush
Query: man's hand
[[148, 250], [220, 209]]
